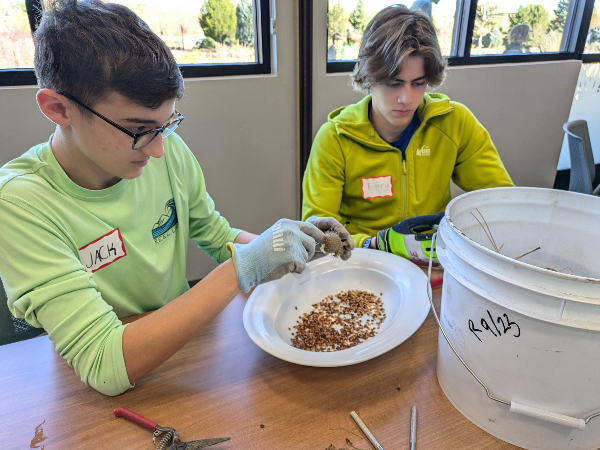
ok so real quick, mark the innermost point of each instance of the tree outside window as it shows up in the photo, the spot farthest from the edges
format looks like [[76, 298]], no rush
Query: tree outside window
[[203, 32], [347, 20]]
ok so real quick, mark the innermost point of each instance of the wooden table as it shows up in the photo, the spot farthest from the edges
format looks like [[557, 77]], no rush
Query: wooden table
[[222, 384]]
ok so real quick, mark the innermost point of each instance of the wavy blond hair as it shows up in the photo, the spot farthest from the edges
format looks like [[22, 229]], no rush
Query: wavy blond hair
[[393, 35]]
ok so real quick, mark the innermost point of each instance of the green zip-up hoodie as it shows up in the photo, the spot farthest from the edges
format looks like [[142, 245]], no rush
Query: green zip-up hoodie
[[369, 185]]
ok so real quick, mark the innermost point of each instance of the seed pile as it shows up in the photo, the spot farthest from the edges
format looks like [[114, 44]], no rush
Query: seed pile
[[333, 244], [339, 321]]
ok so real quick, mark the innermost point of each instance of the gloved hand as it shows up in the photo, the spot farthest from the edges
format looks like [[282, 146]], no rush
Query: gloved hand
[[283, 248], [409, 238], [330, 224]]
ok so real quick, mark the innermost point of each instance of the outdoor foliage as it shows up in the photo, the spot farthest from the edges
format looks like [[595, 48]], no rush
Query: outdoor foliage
[[493, 39], [16, 45], [593, 38], [336, 20], [218, 19], [532, 15], [358, 18], [184, 23], [208, 43], [486, 19], [244, 32], [560, 16], [595, 22]]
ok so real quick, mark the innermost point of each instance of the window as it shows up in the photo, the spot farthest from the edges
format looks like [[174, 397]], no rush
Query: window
[[517, 26], [480, 31], [207, 37], [348, 18], [592, 42], [586, 106], [16, 44], [226, 37]]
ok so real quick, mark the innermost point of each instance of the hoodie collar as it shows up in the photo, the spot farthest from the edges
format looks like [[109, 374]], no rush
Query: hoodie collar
[[353, 120]]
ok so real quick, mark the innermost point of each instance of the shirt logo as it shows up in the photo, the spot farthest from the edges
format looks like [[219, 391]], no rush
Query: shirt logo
[[424, 151], [377, 187], [166, 222], [278, 243], [103, 251]]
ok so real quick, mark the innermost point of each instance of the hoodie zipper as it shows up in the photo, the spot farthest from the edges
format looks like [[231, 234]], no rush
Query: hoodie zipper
[[404, 177], [404, 174], [404, 187]]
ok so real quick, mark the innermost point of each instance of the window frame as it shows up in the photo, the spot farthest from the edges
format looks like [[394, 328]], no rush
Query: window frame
[[263, 24], [585, 22], [572, 45]]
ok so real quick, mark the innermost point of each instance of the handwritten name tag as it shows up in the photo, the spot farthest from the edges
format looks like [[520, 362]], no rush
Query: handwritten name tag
[[377, 187], [103, 251]]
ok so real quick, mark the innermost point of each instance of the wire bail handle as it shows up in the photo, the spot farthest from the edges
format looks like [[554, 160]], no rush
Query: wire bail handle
[[526, 410]]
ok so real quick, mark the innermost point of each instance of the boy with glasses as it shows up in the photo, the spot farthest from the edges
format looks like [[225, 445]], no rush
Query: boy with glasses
[[96, 221]]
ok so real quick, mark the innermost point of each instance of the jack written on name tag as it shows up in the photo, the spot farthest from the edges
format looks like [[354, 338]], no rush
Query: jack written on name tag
[[103, 251], [377, 187]]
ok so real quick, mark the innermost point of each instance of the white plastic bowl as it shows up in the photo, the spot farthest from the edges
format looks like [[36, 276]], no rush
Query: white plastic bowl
[[274, 308]]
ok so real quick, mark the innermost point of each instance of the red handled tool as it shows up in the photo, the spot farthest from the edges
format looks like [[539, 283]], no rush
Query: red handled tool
[[168, 437]]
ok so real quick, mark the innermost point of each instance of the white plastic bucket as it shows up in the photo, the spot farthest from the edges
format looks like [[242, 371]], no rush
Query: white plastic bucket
[[528, 328]]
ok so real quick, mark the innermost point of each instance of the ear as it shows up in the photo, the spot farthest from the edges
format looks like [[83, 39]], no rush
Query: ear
[[55, 107]]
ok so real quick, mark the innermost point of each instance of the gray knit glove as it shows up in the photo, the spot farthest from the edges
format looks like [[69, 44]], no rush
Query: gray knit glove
[[330, 224], [285, 247]]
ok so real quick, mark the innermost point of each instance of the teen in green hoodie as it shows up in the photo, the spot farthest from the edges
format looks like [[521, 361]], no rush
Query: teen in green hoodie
[[392, 155]]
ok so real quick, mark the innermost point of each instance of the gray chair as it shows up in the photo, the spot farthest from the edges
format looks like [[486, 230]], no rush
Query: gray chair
[[583, 170], [11, 328]]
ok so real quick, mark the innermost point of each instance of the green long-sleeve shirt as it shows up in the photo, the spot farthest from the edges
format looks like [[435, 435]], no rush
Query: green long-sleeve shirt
[[74, 260]]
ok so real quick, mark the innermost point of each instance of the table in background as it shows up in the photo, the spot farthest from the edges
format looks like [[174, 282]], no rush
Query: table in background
[[221, 384]]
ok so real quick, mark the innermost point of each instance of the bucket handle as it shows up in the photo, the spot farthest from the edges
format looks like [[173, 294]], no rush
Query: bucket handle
[[519, 408]]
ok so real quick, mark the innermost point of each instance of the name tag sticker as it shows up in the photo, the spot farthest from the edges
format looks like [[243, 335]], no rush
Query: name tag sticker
[[103, 251], [377, 187]]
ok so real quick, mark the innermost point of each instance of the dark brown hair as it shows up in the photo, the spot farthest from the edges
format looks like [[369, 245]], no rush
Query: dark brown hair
[[394, 34], [89, 49]]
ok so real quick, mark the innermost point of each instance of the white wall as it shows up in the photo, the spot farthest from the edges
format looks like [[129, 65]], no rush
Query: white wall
[[242, 130], [586, 106], [523, 106]]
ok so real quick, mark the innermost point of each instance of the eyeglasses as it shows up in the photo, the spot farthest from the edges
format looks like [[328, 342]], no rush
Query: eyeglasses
[[140, 140]]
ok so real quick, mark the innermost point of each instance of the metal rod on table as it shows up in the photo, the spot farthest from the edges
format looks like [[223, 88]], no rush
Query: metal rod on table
[[413, 428], [366, 431]]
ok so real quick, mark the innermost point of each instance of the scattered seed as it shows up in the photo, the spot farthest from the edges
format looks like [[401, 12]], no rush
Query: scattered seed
[[339, 322]]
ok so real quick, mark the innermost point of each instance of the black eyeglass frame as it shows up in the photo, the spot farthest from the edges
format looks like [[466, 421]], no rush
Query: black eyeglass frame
[[136, 136]]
